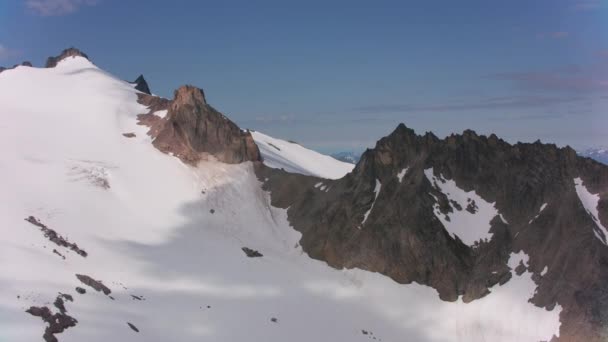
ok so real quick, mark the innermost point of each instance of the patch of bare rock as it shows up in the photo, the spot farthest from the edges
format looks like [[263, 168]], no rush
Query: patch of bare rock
[[193, 130], [97, 285], [56, 238], [252, 253], [52, 62], [134, 328], [57, 322]]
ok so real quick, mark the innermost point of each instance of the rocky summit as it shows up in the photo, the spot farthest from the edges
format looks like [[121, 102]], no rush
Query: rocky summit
[[193, 130], [51, 62]]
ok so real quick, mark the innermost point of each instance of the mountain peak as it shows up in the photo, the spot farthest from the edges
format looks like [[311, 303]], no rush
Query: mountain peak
[[142, 85], [51, 62], [193, 131], [402, 130], [189, 95]]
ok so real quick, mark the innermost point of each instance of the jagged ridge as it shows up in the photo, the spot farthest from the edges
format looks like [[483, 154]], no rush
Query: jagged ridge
[[403, 238]]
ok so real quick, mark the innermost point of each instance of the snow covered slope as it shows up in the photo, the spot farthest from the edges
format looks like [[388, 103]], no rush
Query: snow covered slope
[[166, 238], [292, 157]]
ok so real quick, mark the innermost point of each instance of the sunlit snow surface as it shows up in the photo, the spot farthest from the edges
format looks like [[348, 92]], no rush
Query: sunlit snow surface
[[590, 202], [150, 233], [292, 157]]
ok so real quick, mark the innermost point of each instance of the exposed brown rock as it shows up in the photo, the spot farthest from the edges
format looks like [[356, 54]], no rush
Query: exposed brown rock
[[149, 119], [252, 253], [129, 135], [56, 238], [57, 322], [52, 62], [133, 327], [97, 285], [403, 239], [194, 131], [59, 254]]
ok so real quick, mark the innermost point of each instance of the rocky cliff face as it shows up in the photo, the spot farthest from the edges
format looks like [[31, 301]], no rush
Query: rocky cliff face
[[394, 212], [193, 130]]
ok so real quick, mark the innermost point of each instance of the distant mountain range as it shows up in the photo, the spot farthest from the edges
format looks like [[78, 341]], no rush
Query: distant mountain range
[[600, 154], [347, 157]]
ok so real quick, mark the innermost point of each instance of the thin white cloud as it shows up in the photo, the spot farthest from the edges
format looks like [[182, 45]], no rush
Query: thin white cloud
[[586, 5], [6, 52], [57, 7]]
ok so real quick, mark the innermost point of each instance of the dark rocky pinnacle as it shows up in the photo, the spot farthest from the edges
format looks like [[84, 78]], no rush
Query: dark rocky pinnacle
[[142, 85], [51, 62]]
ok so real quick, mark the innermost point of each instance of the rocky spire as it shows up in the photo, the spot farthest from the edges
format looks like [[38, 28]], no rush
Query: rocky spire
[[51, 62], [193, 131], [142, 85]]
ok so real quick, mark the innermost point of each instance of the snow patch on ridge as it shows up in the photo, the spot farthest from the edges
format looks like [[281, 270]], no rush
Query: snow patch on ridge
[[376, 193], [469, 227], [590, 202], [161, 113], [544, 271], [542, 207], [402, 173], [292, 157], [516, 258]]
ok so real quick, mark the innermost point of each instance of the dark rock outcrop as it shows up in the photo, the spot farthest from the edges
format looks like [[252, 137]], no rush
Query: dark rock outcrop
[[403, 239], [252, 253], [97, 285], [133, 327], [51, 62], [56, 238], [142, 85], [194, 131], [57, 322]]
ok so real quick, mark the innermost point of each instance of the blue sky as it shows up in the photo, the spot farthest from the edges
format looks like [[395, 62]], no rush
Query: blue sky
[[338, 75]]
